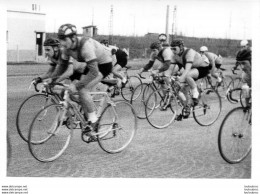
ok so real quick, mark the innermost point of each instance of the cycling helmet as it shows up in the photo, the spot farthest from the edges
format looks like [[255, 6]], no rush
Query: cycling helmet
[[51, 42], [177, 42], [66, 30], [244, 55], [155, 45], [243, 43], [162, 37], [203, 49]]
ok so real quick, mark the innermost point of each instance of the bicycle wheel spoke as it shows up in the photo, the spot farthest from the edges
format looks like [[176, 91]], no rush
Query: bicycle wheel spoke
[[208, 109], [49, 136], [234, 139], [140, 95], [157, 108], [117, 127], [127, 91], [27, 111]]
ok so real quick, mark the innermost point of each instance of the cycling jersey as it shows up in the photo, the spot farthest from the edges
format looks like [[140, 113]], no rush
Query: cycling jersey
[[89, 50], [164, 55], [213, 58], [189, 56]]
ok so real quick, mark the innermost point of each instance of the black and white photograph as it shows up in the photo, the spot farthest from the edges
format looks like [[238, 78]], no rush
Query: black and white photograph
[[136, 96]]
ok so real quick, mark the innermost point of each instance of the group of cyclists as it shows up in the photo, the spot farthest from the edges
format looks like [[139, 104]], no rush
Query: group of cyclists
[[86, 62]]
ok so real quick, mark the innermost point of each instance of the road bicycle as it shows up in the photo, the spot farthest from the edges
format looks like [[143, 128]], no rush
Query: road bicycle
[[235, 134], [142, 92], [163, 106], [52, 127], [127, 89], [32, 104]]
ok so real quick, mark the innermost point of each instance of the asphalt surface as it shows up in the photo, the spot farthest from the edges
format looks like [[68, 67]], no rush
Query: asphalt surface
[[183, 150]]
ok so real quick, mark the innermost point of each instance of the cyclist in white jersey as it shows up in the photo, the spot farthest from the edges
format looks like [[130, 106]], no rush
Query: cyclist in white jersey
[[120, 58], [215, 62], [98, 65]]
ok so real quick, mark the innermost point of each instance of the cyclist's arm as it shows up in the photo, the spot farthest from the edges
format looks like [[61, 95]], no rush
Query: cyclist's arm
[[60, 69], [66, 74], [48, 73], [164, 67], [93, 72]]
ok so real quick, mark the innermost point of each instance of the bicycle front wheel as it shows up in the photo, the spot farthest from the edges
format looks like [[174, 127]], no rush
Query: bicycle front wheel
[[139, 97], [117, 127], [160, 113], [208, 109], [132, 83], [49, 135], [234, 138], [27, 111]]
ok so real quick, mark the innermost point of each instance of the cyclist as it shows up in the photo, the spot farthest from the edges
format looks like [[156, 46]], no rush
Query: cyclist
[[52, 52], [243, 58], [160, 53], [215, 62], [244, 45], [121, 58], [192, 64], [98, 61], [163, 40]]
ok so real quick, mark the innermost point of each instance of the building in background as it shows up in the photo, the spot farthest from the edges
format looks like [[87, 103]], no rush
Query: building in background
[[90, 31], [25, 34]]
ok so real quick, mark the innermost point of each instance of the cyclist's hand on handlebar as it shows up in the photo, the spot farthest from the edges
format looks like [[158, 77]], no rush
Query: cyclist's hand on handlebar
[[37, 80]]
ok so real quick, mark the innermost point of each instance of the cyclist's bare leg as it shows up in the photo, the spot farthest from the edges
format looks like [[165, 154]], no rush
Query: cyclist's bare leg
[[116, 72], [86, 99], [191, 75]]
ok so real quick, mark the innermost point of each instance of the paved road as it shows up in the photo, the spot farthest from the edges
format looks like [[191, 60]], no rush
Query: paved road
[[183, 150]]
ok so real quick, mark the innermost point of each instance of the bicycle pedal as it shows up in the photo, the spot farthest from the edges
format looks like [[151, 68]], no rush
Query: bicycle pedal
[[179, 117]]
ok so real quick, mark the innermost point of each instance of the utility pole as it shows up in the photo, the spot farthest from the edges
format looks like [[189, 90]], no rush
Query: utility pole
[[174, 23], [167, 24], [110, 38]]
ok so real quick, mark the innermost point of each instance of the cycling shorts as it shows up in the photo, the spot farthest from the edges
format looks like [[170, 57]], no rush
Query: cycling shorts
[[203, 71], [121, 58]]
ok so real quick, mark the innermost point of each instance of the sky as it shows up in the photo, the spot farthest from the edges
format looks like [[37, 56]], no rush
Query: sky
[[198, 18]]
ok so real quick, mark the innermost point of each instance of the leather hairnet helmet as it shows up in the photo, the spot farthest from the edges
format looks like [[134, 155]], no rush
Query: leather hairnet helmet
[[66, 30]]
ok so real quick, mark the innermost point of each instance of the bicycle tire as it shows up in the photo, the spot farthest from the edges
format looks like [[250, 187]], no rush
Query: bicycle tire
[[27, 111], [158, 116], [128, 89], [208, 109], [116, 120], [224, 85], [235, 129], [236, 83], [48, 141], [140, 95]]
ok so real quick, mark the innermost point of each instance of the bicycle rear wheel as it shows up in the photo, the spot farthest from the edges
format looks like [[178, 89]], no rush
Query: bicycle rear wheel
[[27, 111], [49, 136], [132, 83], [208, 109], [234, 138], [117, 127], [157, 113], [139, 97], [223, 87]]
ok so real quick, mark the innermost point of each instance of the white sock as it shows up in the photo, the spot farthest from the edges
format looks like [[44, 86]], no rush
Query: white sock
[[195, 93], [92, 117], [124, 80]]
